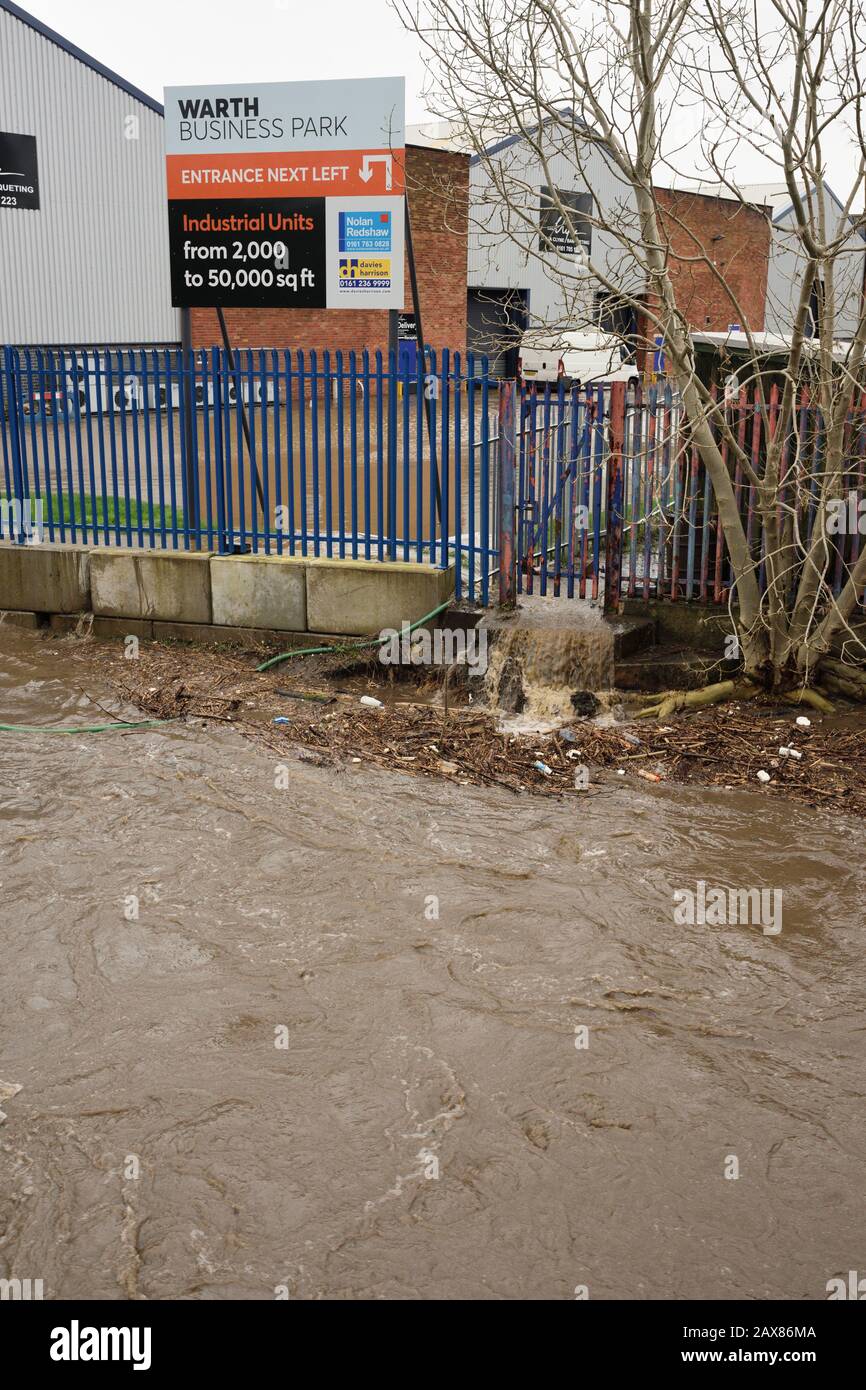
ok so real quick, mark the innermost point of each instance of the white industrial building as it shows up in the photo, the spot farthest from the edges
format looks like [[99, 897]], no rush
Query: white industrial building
[[516, 279], [520, 241], [527, 264], [787, 261], [90, 265]]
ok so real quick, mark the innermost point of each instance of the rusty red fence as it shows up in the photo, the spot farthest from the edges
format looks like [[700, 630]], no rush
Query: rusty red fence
[[614, 501]]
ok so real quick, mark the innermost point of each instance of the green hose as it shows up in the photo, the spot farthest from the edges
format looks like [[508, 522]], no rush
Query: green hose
[[274, 661], [352, 646], [82, 728]]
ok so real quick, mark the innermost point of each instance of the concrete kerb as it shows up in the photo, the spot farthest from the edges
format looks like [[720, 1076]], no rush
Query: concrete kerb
[[259, 591], [173, 586], [244, 593], [45, 578], [698, 625], [359, 597]]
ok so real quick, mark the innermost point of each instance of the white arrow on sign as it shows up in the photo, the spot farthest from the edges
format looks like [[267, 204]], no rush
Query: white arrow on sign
[[366, 172]]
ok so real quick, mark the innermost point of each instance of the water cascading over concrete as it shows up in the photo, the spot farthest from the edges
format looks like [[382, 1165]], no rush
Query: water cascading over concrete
[[549, 661]]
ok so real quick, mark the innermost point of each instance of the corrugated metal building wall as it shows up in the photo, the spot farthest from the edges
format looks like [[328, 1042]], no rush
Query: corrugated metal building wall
[[788, 267], [91, 265]]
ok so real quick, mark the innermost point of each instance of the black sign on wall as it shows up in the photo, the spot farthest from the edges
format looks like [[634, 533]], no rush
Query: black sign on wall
[[563, 235], [19, 173]]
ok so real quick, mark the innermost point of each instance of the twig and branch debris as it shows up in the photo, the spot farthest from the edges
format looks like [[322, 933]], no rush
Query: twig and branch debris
[[721, 746]]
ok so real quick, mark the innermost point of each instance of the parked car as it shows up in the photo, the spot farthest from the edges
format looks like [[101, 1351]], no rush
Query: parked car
[[581, 356]]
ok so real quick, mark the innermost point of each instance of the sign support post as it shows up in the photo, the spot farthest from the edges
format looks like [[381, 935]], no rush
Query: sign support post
[[186, 367], [244, 421], [419, 338], [416, 300]]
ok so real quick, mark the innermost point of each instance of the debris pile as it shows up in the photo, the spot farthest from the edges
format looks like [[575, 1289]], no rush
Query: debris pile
[[338, 720]]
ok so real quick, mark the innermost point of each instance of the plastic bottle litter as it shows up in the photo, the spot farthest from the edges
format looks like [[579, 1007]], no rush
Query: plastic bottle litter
[[763, 776], [803, 722], [568, 735], [371, 702], [790, 753], [630, 738], [542, 767]]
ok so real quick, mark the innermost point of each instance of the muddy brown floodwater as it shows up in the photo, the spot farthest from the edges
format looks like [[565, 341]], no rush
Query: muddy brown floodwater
[[416, 1044]]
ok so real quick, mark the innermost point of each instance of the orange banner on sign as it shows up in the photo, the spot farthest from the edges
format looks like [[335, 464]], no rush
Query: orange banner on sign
[[350, 173]]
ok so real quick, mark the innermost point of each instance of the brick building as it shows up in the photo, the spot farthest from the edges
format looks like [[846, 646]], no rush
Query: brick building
[[437, 185], [705, 230]]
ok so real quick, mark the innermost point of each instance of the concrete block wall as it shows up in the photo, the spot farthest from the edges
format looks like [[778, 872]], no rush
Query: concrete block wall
[[259, 591], [176, 592], [49, 578], [171, 585], [369, 596]]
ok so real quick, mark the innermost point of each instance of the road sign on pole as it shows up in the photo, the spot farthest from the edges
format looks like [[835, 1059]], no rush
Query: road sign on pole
[[287, 194]]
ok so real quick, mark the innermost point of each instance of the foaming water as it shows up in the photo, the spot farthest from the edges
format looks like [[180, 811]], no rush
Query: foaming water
[[426, 952], [541, 656]]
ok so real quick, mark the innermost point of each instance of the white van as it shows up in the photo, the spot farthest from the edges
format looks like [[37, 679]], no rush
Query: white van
[[573, 356]]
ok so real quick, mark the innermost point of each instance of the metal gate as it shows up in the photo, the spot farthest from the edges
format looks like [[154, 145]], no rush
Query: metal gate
[[612, 501]]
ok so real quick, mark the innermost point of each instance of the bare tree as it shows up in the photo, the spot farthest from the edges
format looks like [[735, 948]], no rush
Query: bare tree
[[629, 95]]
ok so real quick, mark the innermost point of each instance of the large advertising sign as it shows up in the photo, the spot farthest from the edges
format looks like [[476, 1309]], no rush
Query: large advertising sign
[[287, 194]]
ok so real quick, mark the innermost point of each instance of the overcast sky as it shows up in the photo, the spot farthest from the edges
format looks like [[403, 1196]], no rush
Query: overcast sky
[[164, 43]]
